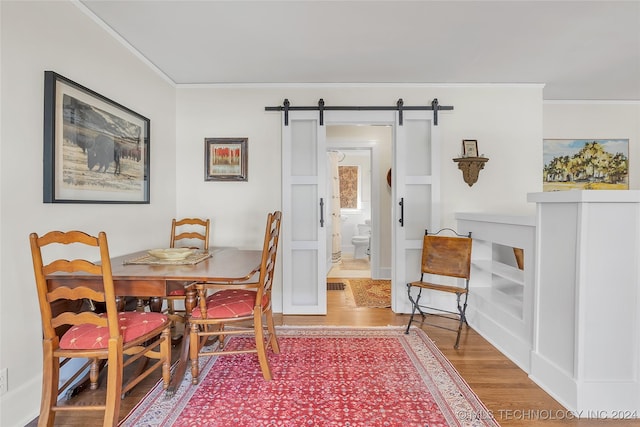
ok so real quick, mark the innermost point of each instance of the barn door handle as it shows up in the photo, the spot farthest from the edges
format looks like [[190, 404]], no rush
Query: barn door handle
[[401, 211], [321, 212]]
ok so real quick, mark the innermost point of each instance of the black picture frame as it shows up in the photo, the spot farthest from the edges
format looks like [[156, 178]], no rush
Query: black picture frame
[[469, 148], [95, 150], [226, 159]]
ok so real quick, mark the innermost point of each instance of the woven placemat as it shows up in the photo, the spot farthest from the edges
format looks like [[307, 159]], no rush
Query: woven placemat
[[194, 258]]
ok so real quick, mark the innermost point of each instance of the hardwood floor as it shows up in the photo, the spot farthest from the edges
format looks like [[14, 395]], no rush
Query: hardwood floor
[[508, 393]]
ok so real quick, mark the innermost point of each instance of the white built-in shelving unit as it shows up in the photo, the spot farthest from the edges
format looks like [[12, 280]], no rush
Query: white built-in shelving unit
[[501, 295], [570, 317]]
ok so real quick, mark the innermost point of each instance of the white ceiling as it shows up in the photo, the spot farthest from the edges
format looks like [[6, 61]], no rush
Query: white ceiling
[[580, 50]]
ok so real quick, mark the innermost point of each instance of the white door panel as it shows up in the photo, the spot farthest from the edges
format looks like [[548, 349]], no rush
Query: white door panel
[[417, 197], [303, 225]]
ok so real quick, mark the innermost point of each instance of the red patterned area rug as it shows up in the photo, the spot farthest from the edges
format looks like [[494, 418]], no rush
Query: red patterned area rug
[[324, 376]]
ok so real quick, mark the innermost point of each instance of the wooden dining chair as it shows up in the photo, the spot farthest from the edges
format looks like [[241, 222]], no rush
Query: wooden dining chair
[[111, 336], [443, 257], [190, 233], [234, 303]]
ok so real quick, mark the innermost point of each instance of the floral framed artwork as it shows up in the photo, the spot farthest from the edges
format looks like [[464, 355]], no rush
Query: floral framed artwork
[[349, 177], [95, 150], [226, 159], [585, 164]]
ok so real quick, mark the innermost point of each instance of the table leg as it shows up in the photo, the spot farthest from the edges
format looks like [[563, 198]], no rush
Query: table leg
[[178, 373], [155, 304]]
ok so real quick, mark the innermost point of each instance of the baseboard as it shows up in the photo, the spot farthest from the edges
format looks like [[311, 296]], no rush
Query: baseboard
[[383, 274], [509, 344], [21, 404], [586, 399], [554, 380]]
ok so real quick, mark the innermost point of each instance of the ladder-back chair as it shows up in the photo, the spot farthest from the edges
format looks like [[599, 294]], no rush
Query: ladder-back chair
[[443, 257], [190, 233], [108, 336], [235, 303]]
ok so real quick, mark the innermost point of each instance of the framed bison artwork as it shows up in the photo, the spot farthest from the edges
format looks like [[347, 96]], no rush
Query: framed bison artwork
[[225, 159], [95, 150]]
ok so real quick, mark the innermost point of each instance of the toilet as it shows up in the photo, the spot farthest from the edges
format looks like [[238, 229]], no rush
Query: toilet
[[362, 241]]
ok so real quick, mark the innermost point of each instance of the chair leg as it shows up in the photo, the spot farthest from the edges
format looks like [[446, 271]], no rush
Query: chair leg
[[114, 384], [50, 379], [462, 309], [86, 381], [94, 372], [273, 339], [170, 309], [194, 350], [415, 306], [175, 319], [261, 347], [165, 351], [221, 336]]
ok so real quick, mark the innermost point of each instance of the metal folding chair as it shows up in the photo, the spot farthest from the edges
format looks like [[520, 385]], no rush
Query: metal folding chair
[[443, 257]]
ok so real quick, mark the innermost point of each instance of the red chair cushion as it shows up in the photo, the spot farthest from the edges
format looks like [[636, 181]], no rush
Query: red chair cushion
[[178, 293], [133, 325], [228, 303]]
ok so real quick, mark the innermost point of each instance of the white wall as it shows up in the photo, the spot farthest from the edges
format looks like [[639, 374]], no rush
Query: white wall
[[506, 121], [58, 36]]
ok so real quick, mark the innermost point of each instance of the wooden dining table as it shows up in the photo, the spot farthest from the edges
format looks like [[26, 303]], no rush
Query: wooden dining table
[[155, 281]]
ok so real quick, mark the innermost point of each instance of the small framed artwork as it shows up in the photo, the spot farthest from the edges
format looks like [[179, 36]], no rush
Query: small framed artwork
[[95, 150], [469, 148], [225, 159]]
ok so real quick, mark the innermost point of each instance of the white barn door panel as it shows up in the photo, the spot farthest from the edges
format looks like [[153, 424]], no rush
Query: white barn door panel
[[416, 193], [304, 224]]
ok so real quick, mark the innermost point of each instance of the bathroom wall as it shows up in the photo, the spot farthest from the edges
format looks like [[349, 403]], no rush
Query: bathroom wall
[[352, 217]]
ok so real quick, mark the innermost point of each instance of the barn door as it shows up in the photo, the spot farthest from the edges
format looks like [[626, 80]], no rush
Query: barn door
[[305, 210], [416, 192]]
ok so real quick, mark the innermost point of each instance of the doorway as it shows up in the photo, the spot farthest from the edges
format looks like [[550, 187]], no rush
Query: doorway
[[365, 151], [350, 194]]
